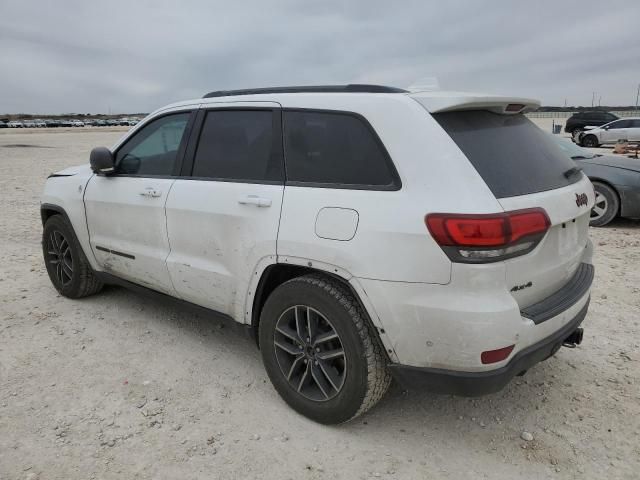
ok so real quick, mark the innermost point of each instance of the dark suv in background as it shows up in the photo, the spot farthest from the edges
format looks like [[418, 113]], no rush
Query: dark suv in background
[[579, 120]]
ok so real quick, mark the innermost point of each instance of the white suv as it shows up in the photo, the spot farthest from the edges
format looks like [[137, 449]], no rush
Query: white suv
[[621, 129], [358, 232]]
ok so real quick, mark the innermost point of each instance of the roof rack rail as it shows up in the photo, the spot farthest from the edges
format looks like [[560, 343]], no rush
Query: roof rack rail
[[351, 88]]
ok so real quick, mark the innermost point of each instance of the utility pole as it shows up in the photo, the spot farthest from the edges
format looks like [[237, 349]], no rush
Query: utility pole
[[599, 100], [637, 96]]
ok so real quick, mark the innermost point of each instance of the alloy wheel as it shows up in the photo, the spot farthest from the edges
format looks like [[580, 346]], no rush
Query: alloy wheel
[[600, 206], [310, 353], [59, 255]]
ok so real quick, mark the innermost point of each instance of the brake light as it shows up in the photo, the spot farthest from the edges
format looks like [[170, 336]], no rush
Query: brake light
[[514, 107], [486, 238]]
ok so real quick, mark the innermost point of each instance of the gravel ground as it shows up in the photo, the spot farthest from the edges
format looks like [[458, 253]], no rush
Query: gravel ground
[[120, 386]]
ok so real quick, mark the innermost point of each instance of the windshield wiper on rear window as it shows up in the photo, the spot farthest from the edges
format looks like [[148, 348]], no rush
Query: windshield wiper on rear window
[[572, 171]]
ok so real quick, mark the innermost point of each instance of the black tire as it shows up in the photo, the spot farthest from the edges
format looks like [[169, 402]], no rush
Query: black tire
[[606, 207], [67, 266], [574, 130], [590, 141], [365, 378]]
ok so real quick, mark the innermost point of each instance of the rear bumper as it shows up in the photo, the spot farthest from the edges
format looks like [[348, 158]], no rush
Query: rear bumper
[[484, 382]]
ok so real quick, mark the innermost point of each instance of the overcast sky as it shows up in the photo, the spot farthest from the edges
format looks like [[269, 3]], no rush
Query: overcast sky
[[134, 56]]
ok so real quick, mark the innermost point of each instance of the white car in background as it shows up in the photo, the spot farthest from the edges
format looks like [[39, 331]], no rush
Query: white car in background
[[77, 123], [358, 232], [622, 129]]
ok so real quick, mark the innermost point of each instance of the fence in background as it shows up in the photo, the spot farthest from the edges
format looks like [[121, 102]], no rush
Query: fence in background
[[565, 115]]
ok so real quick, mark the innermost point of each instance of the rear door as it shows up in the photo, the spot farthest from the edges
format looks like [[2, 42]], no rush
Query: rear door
[[524, 168], [615, 131], [125, 211], [223, 213], [634, 130]]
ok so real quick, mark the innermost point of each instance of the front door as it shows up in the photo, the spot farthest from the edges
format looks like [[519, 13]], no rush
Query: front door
[[125, 211], [223, 215]]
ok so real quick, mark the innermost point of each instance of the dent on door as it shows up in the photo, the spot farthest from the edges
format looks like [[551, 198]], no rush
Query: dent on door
[[336, 223]]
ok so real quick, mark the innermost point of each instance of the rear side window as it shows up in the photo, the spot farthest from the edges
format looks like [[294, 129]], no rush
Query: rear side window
[[239, 145], [335, 150], [511, 154]]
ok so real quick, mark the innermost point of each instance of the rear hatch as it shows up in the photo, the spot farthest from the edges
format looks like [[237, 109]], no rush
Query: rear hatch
[[524, 168]]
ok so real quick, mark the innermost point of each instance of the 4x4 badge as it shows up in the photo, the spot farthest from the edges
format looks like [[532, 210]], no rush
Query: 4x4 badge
[[581, 199]]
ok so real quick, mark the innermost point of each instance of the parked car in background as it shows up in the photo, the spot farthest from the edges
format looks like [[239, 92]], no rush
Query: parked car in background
[[579, 120], [486, 272], [15, 124], [3, 124], [52, 123], [40, 123], [622, 129], [29, 124], [616, 181], [100, 123], [77, 123], [64, 122]]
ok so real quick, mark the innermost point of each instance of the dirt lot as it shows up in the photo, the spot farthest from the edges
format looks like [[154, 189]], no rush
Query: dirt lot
[[120, 386]]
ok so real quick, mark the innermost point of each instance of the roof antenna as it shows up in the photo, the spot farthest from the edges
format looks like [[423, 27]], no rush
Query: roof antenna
[[424, 84]]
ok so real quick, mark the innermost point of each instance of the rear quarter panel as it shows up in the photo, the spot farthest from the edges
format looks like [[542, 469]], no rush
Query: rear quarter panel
[[391, 241]]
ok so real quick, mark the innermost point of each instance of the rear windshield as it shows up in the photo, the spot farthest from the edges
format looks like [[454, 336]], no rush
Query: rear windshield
[[511, 154]]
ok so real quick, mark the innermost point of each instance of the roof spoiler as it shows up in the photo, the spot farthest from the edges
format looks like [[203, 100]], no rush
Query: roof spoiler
[[436, 102]]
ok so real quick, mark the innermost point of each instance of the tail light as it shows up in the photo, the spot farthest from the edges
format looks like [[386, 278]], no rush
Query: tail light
[[488, 238]]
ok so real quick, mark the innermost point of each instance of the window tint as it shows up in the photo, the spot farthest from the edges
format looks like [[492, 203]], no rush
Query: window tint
[[620, 124], [511, 154], [238, 145], [153, 150], [334, 148], [635, 124]]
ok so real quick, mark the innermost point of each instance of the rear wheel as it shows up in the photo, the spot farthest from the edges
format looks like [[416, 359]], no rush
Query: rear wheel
[[606, 205], [320, 352], [590, 141], [66, 264]]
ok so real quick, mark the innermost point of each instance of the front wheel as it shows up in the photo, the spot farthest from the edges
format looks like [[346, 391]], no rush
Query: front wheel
[[68, 268], [320, 352], [590, 141], [606, 205]]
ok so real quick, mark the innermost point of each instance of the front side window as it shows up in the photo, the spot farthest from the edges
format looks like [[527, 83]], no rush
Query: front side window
[[239, 145], [620, 124], [334, 149], [154, 149]]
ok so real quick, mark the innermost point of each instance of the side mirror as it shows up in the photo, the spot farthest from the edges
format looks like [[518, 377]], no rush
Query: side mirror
[[101, 160]]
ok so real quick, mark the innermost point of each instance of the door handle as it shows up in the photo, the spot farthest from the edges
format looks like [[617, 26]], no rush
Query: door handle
[[151, 192], [255, 200]]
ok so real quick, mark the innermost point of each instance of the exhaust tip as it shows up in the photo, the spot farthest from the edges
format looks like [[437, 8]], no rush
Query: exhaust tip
[[575, 339]]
